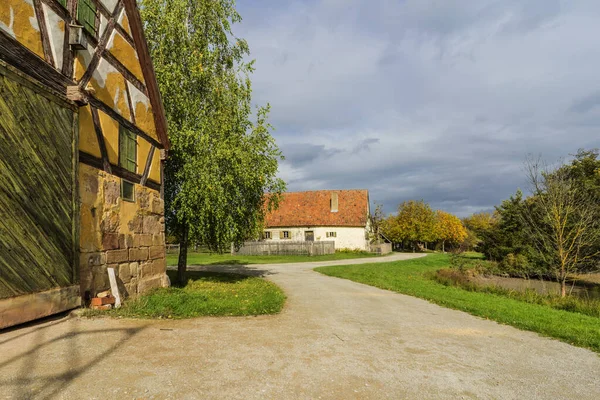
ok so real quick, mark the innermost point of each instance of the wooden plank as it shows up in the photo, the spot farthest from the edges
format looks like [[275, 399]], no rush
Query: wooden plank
[[100, 137], [117, 171], [41, 20], [36, 213], [114, 288], [13, 53], [55, 6], [148, 165], [18, 310], [130, 104], [30, 83]]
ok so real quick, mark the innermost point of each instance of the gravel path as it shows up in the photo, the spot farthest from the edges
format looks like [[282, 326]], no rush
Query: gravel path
[[336, 339]]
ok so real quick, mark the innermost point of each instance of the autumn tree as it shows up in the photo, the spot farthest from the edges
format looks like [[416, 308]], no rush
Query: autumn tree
[[561, 220], [221, 162], [415, 223], [449, 229]]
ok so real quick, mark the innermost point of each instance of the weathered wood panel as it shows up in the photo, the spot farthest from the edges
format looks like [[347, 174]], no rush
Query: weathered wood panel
[[36, 191]]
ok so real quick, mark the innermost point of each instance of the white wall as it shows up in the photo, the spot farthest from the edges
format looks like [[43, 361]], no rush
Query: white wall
[[346, 237]]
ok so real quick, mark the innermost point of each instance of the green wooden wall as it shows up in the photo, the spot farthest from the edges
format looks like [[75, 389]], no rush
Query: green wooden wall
[[36, 190]]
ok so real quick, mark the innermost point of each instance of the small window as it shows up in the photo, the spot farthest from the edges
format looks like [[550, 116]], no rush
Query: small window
[[127, 150], [266, 235], [127, 190], [86, 15], [286, 234], [331, 234]]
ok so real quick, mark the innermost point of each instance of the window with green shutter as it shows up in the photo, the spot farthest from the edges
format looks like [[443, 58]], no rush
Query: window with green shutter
[[86, 15], [127, 149], [127, 160]]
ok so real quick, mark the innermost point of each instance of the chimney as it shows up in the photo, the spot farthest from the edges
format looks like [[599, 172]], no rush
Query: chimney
[[333, 203]]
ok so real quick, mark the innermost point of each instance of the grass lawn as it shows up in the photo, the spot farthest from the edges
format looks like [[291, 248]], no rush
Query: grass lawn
[[221, 259], [205, 294], [409, 277]]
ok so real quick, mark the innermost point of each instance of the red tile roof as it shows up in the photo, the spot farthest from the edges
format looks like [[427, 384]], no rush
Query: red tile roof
[[314, 209]]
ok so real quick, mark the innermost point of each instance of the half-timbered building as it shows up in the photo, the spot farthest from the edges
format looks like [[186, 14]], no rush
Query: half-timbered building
[[82, 141]]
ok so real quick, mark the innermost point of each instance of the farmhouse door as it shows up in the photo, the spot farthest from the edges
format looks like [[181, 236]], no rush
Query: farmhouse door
[[309, 236], [38, 263]]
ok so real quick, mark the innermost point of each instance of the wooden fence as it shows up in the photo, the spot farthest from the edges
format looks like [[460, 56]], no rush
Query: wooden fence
[[281, 247]]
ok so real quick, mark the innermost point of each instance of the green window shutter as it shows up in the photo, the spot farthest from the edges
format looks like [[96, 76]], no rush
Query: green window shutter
[[86, 15], [63, 3], [127, 149]]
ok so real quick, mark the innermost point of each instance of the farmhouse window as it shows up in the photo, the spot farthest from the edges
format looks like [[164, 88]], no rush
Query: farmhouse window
[[86, 15], [127, 190], [284, 235], [331, 234], [266, 235], [127, 150]]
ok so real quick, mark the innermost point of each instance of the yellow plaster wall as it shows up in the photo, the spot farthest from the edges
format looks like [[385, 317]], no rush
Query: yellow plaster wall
[[110, 129], [113, 92], [17, 17], [144, 119], [125, 24], [142, 154], [88, 141], [127, 55], [155, 169]]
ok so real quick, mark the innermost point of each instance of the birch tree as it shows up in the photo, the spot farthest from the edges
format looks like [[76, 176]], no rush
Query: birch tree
[[221, 162]]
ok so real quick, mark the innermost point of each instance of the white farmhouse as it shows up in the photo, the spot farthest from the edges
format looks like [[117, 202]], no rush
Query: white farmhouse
[[336, 215]]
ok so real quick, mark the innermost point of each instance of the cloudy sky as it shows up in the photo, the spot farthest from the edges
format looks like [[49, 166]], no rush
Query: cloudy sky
[[439, 100]]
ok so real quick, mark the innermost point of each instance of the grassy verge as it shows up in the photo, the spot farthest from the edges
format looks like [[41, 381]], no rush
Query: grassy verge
[[205, 294], [412, 277], [226, 259], [587, 306]]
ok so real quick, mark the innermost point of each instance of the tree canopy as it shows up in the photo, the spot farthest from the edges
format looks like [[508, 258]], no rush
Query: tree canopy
[[223, 159]]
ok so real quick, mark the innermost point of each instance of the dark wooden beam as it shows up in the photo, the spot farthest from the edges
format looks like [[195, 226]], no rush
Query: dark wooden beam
[[68, 54], [101, 142], [41, 20], [100, 48], [123, 121], [148, 165], [112, 60], [130, 103], [118, 171], [15, 54], [137, 31], [62, 12]]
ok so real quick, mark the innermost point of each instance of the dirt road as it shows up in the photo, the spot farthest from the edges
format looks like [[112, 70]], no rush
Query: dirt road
[[335, 340]]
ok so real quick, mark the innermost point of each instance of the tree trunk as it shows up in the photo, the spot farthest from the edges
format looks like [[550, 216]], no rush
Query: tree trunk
[[182, 262], [443, 246], [563, 288]]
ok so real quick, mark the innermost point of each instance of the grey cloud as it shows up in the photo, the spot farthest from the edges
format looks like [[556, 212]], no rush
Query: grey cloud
[[587, 103], [439, 100]]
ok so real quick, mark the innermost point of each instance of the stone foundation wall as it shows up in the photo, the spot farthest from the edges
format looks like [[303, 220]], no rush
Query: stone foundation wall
[[114, 233]]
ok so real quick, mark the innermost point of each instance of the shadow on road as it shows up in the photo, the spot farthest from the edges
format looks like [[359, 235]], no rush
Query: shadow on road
[[63, 351]]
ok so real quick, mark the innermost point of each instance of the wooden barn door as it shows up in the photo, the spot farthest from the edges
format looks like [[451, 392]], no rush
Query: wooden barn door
[[38, 263]]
